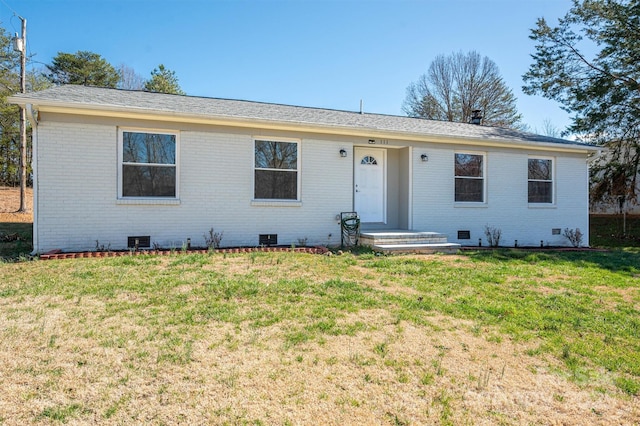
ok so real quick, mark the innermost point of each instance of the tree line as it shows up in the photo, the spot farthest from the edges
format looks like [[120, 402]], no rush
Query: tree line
[[83, 68], [90, 69], [589, 62]]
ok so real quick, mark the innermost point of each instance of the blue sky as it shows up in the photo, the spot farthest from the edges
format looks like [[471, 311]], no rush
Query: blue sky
[[320, 53]]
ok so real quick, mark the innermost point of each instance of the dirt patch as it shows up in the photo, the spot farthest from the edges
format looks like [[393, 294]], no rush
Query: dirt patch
[[10, 203]]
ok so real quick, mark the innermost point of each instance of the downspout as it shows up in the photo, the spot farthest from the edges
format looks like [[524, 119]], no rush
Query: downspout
[[32, 116]]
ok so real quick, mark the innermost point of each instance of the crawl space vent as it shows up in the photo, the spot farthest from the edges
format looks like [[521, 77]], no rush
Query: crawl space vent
[[464, 235], [142, 241], [268, 239]]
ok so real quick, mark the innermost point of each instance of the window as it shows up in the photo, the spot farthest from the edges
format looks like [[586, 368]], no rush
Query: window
[[369, 161], [276, 170], [540, 180], [469, 175], [148, 164]]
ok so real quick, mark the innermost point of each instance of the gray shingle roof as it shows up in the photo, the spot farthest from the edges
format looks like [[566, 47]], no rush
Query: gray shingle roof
[[114, 99]]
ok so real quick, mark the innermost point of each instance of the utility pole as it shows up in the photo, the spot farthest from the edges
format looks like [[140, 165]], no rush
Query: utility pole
[[20, 45]]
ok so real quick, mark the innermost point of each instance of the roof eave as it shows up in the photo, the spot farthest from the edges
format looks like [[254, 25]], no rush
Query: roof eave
[[116, 111]]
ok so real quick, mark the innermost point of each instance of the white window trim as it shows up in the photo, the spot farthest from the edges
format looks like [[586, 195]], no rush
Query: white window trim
[[485, 196], [147, 200], [276, 202], [552, 204]]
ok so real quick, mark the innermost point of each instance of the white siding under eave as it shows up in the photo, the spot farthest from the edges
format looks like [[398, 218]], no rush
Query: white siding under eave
[[78, 203], [506, 206]]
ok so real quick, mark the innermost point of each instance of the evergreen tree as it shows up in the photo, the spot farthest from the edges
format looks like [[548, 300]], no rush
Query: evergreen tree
[[590, 63], [163, 80], [82, 68]]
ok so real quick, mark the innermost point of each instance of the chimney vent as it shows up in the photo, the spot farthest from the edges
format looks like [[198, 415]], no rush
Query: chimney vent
[[476, 116]]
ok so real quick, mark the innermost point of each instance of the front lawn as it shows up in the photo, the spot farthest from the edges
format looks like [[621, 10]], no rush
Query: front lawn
[[495, 337]]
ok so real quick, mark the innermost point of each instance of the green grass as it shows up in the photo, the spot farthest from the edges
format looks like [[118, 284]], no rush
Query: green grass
[[581, 307], [615, 231], [12, 248], [62, 413]]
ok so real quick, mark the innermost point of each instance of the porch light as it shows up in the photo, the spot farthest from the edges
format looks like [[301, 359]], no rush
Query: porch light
[[343, 153], [424, 158]]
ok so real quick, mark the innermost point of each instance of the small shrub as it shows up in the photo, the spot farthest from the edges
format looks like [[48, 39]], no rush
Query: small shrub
[[574, 236], [213, 240], [493, 235], [302, 242], [101, 247]]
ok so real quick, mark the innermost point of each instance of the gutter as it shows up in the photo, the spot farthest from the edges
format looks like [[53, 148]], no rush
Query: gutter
[[32, 115]]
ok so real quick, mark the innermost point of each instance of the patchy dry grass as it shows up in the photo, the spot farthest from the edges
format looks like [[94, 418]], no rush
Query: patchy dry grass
[[500, 337], [281, 338]]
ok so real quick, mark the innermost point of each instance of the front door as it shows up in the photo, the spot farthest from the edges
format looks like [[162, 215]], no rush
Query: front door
[[369, 184]]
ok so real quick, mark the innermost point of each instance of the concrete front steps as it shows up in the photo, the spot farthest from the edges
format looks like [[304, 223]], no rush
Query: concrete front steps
[[402, 241]]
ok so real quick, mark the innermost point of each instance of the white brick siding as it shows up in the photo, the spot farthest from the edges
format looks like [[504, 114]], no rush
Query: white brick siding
[[77, 191], [78, 204], [506, 205]]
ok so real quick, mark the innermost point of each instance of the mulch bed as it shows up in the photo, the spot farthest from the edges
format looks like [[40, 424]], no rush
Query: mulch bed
[[58, 254]]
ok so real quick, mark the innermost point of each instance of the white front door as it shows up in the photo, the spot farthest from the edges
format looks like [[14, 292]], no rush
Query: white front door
[[369, 198]]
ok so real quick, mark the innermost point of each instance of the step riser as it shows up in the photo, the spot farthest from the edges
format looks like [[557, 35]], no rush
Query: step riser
[[401, 242], [402, 234], [402, 238], [377, 241], [446, 249]]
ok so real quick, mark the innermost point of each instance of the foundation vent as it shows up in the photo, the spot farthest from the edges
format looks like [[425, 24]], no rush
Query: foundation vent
[[464, 235], [139, 241], [268, 240]]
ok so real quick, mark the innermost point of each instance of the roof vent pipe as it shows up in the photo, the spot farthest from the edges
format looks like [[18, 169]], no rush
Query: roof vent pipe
[[361, 110], [476, 116]]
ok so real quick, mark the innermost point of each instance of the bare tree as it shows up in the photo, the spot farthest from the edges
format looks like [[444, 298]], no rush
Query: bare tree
[[129, 79], [549, 129], [456, 85]]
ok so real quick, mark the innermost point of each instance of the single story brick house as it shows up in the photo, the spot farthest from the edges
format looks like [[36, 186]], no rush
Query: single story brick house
[[111, 164]]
